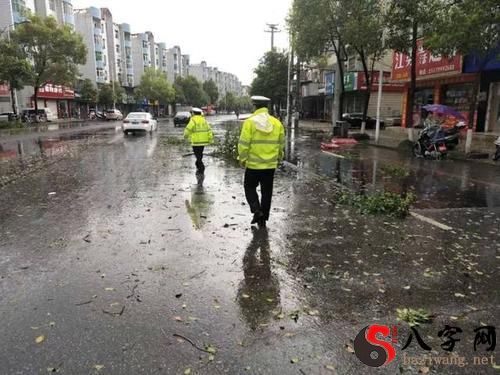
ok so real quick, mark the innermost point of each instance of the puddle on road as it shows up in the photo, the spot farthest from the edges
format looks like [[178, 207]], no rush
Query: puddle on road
[[365, 169]]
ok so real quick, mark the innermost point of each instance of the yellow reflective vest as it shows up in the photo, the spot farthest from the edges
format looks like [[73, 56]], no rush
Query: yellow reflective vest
[[262, 141], [198, 131]]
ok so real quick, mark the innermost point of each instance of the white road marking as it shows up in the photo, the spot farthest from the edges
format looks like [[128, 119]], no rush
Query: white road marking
[[333, 154], [430, 221]]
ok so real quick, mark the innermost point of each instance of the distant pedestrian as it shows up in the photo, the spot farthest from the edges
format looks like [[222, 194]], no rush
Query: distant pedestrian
[[237, 112], [260, 148], [199, 132]]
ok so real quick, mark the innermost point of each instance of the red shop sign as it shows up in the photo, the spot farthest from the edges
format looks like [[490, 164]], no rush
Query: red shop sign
[[427, 64], [387, 84], [50, 91], [4, 90]]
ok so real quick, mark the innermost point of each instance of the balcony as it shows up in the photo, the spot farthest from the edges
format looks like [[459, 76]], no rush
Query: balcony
[[127, 43], [100, 79], [98, 47], [69, 19], [99, 64], [97, 31]]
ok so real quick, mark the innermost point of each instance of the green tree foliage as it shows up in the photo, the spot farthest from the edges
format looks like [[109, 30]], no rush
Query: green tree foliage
[[271, 78], [54, 51], [316, 27], [362, 33], [87, 91], [228, 102], [14, 67], [211, 89], [105, 96], [406, 21], [155, 87], [467, 26], [189, 91]]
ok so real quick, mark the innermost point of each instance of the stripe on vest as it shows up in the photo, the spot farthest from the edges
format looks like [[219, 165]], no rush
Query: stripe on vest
[[244, 143], [265, 142], [256, 159]]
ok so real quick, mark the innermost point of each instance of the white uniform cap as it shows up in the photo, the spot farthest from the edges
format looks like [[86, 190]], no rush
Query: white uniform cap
[[259, 98], [196, 110]]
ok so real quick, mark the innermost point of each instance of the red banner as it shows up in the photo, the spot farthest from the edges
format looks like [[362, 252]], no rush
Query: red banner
[[50, 91], [387, 85], [427, 64]]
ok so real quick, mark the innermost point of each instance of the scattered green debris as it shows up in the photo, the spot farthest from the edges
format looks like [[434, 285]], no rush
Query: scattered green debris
[[391, 204], [227, 148], [413, 317], [395, 171], [173, 141]]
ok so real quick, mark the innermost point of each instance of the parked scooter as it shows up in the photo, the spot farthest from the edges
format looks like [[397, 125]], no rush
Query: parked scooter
[[434, 141], [452, 135], [497, 152]]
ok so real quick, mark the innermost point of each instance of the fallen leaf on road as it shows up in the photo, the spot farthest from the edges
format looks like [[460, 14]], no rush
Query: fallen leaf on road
[[178, 318], [40, 339], [52, 324], [330, 367], [294, 360], [407, 287], [178, 295], [211, 357], [313, 312], [211, 349], [109, 289], [98, 367], [52, 369], [245, 296], [424, 370], [459, 295], [187, 371], [349, 348]]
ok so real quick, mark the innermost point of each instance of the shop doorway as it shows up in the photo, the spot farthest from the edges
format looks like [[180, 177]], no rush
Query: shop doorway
[[493, 123]]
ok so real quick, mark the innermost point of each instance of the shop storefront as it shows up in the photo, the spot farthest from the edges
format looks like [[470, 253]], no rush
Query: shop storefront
[[58, 99], [488, 109], [439, 81], [5, 103], [355, 94]]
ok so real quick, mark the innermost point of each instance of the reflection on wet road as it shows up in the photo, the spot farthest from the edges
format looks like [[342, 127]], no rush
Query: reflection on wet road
[[437, 184], [113, 245]]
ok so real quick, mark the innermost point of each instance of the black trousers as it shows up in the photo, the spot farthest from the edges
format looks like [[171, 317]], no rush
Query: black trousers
[[264, 178], [198, 152]]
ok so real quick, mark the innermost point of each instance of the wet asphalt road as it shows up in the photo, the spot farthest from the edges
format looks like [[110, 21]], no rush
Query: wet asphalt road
[[121, 261]]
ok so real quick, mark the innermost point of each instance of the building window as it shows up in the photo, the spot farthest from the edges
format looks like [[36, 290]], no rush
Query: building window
[[118, 48], [117, 34], [52, 5], [103, 43], [98, 56], [144, 44], [145, 58]]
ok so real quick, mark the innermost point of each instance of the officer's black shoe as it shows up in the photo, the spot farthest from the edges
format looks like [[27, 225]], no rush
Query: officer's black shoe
[[257, 217], [261, 223]]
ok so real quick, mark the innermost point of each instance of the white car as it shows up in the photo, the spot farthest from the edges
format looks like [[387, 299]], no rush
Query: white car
[[139, 121], [113, 114]]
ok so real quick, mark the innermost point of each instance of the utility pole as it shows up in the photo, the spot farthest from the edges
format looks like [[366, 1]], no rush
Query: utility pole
[[273, 28]]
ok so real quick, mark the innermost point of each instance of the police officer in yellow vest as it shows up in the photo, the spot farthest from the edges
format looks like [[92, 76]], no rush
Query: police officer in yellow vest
[[260, 148], [199, 132]]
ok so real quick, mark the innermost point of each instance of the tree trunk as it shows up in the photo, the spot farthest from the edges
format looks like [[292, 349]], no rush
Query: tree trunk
[[368, 90], [13, 99], [35, 97], [413, 78]]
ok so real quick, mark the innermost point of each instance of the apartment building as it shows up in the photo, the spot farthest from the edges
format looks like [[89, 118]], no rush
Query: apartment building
[[174, 63], [141, 55], [226, 82], [61, 10], [89, 23], [185, 65], [161, 60]]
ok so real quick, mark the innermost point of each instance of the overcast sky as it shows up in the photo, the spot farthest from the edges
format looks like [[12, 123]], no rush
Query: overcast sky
[[227, 34]]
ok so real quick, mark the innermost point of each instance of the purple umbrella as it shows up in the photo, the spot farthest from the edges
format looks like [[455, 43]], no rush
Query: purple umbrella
[[444, 110]]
